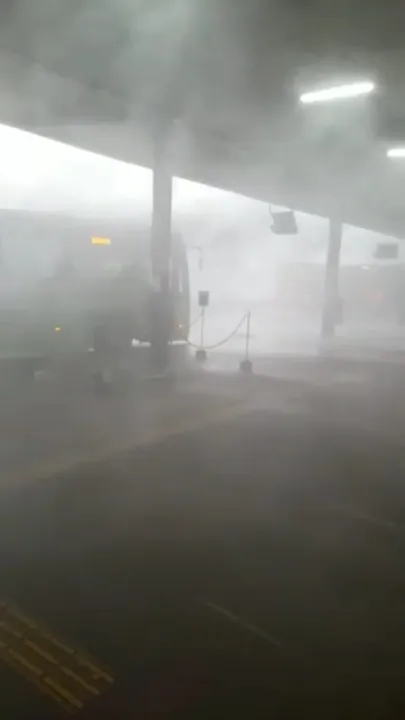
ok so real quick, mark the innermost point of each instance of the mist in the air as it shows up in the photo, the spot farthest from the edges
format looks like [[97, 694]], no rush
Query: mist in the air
[[107, 77]]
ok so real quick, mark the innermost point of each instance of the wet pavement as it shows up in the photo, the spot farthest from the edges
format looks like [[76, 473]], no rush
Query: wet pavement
[[252, 567], [51, 425]]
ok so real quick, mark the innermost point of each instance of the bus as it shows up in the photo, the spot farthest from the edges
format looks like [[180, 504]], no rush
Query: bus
[[61, 277]]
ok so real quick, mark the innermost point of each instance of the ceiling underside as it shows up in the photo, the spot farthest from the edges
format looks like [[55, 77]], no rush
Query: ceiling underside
[[226, 75]]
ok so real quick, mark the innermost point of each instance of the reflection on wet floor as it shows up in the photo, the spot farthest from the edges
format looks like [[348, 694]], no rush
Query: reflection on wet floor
[[250, 567]]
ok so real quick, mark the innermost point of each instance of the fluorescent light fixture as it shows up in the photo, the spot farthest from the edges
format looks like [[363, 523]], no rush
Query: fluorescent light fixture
[[396, 152], [340, 92], [100, 241]]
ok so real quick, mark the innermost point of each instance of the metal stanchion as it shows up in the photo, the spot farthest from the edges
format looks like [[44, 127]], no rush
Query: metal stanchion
[[201, 350], [331, 297], [246, 364], [201, 354], [203, 300]]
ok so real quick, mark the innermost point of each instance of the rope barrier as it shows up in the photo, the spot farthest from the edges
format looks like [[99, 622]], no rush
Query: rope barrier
[[196, 319], [221, 342]]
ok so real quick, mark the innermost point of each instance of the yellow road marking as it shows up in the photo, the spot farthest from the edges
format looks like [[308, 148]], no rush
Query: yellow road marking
[[12, 631], [80, 680], [63, 692], [41, 652], [35, 680], [47, 690], [64, 674], [24, 662], [19, 616], [57, 643], [96, 671]]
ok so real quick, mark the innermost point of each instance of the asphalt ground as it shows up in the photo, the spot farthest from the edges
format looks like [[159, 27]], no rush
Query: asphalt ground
[[251, 569]]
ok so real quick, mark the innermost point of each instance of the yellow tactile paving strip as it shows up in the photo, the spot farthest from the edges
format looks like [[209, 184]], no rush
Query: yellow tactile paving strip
[[68, 676]]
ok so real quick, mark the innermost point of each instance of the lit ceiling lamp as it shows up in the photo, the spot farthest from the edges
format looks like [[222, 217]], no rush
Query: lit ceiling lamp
[[339, 92], [396, 152]]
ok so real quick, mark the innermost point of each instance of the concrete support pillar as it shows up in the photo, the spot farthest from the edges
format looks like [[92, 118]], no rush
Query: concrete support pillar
[[161, 315], [331, 304]]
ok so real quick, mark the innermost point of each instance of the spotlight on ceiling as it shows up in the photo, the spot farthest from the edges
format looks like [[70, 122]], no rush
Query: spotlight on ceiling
[[396, 152], [339, 92]]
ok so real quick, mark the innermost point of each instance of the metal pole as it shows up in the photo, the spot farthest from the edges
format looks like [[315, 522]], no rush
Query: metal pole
[[202, 328], [246, 364], [161, 215], [331, 296], [161, 318], [247, 335]]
